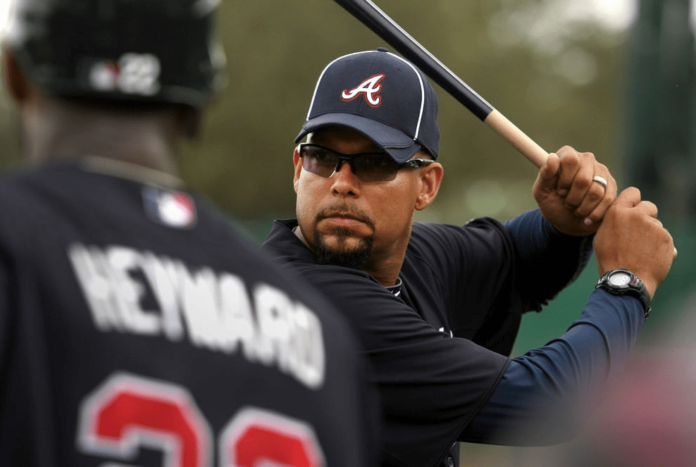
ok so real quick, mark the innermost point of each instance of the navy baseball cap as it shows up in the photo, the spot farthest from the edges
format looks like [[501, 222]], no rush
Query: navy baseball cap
[[380, 95]]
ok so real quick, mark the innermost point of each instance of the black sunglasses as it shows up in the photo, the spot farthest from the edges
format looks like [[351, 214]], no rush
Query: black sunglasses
[[368, 167]]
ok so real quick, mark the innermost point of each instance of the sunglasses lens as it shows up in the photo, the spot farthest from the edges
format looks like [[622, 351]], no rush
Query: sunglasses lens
[[318, 160], [367, 167], [375, 168]]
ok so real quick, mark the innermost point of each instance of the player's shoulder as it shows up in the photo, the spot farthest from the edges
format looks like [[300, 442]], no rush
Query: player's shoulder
[[26, 175], [428, 234], [19, 178], [21, 190], [34, 183], [424, 229]]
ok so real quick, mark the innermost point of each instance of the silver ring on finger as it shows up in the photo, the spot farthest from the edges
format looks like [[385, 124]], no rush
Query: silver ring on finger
[[601, 180]]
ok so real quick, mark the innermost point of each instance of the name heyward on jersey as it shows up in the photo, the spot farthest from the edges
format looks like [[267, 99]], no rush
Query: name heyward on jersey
[[214, 311]]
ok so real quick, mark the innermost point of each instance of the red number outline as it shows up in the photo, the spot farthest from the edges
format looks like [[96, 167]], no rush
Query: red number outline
[[117, 418], [260, 437], [101, 416]]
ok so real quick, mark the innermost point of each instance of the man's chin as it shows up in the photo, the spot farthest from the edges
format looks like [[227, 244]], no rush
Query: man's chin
[[341, 244], [342, 249]]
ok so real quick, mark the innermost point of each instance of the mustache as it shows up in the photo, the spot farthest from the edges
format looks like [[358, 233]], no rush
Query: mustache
[[346, 210]]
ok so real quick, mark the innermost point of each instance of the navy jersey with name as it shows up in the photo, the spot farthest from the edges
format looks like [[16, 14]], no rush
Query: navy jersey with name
[[138, 328]]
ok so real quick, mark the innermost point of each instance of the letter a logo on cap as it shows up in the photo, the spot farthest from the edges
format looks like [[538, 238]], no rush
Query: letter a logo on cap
[[370, 89]]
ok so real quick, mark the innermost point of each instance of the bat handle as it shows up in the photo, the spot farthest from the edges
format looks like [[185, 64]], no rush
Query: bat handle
[[516, 138]]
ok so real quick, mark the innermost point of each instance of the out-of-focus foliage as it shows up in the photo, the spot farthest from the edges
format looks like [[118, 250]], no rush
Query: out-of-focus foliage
[[560, 81]]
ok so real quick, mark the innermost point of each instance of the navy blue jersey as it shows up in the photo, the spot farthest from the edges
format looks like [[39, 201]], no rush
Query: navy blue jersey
[[137, 327], [472, 283]]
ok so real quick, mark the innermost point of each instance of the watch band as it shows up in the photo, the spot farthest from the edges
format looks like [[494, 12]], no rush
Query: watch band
[[624, 282]]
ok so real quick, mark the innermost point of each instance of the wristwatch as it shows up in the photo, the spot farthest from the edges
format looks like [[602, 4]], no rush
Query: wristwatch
[[623, 282]]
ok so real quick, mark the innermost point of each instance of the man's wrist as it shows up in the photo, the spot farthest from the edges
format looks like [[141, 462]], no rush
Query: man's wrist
[[624, 282]]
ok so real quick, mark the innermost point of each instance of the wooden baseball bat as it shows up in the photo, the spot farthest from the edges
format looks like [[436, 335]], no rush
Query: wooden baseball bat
[[374, 18]]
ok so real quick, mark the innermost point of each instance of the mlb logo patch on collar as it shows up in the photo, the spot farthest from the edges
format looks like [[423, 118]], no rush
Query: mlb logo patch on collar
[[169, 207]]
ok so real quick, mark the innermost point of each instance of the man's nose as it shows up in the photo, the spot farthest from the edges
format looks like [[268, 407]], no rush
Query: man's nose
[[345, 181], [340, 165]]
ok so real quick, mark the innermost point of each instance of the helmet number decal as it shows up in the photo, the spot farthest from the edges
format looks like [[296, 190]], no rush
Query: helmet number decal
[[139, 74], [131, 74]]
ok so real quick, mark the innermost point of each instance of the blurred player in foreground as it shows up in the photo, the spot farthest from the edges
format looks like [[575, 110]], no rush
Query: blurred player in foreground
[[438, 306], [136, 326], [649, 416]]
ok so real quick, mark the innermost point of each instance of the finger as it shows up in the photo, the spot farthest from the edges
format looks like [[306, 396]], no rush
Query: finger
[[629, 197], [548, 174], [592, 201], [583, 185], [570, 162], [647, 207], [596, 214]]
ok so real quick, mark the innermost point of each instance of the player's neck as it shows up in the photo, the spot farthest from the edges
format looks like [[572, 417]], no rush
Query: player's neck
[[387, 258], [65, 134], [386, 270]]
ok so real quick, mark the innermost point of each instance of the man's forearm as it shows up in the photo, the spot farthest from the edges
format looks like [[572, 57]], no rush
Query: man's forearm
[[544, 394], [548, 260]]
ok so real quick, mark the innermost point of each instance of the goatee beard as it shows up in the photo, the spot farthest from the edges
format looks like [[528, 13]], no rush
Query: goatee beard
[[354, 258]]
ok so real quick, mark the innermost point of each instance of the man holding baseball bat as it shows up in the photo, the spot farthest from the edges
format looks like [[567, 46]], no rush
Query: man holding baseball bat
[[438, 306]]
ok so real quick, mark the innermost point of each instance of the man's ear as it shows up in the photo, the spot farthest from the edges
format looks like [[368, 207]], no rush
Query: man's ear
[[15, 80], [430, 178], [297, 161]]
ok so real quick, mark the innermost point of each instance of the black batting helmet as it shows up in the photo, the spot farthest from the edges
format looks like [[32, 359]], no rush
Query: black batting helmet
[[134, 50]]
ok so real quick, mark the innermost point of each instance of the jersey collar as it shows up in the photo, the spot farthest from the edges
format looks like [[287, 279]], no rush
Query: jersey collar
[[133, 172]]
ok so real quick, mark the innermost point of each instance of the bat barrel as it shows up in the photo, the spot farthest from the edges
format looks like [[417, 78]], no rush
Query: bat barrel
[[382, 25]]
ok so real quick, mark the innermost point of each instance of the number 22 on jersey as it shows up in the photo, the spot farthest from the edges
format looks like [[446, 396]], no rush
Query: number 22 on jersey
[[128, 412]]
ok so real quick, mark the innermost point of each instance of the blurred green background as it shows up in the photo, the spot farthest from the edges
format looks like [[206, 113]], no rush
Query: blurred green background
[[623, 90]]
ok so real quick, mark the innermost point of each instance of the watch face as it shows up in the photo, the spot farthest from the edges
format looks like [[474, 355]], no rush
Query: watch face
[[619, 279]]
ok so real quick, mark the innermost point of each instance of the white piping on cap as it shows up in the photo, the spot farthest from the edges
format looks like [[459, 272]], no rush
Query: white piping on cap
[[422, 87]]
